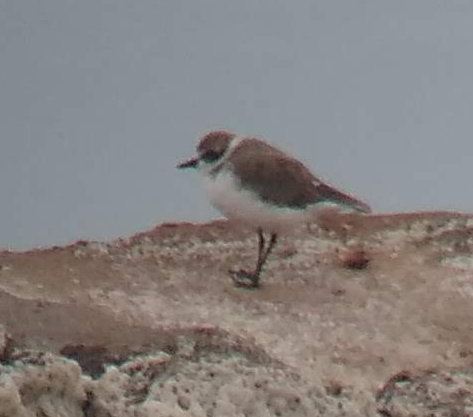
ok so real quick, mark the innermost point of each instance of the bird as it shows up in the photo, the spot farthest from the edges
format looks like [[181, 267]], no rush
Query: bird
[[253, 182]]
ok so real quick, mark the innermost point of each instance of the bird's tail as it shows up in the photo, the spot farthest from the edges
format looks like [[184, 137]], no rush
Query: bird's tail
[[359, 207], [345, 202]]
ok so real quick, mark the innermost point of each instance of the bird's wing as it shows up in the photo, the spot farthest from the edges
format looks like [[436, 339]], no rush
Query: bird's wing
[[332, 195], [282, 180]]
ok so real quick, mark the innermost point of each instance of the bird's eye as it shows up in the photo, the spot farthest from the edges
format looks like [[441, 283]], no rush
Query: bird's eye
[[211, 156]]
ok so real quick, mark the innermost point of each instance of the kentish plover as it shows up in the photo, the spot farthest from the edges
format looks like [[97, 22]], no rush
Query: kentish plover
[[255, 183]]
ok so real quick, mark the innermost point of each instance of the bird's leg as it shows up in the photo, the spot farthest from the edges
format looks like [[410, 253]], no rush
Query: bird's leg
[[261, 261], [261, 258], [247, 279]]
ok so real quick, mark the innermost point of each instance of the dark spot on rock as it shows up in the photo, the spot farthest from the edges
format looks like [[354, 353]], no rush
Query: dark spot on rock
[[334, 389], [383, 412], [357, 259], [6, 351], [92, 359], [387, 391], [87, 405]]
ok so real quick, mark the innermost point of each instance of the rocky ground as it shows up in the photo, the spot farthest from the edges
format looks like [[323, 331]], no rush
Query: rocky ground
[[360, 316]]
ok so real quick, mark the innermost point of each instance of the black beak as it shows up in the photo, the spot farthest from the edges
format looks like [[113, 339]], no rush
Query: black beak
[[191, 163]]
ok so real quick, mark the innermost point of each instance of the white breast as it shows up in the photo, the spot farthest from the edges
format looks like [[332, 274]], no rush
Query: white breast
[[245, 206]]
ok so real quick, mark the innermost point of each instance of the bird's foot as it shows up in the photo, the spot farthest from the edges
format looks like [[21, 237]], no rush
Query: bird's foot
[[244, 279]]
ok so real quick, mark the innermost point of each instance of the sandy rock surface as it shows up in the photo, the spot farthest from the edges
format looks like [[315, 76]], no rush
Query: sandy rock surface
[[359, 316]]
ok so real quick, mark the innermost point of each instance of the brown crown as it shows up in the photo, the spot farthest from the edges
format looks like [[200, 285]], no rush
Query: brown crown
[[216, 141]]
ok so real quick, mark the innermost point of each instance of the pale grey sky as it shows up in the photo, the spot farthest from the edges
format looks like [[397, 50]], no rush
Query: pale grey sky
[[99, 99]]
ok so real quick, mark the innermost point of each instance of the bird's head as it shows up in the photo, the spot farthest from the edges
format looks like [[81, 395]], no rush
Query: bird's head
[[210, 150]]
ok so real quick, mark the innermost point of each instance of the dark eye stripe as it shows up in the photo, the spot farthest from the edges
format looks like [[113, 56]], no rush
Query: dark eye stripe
[[211, 156]]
